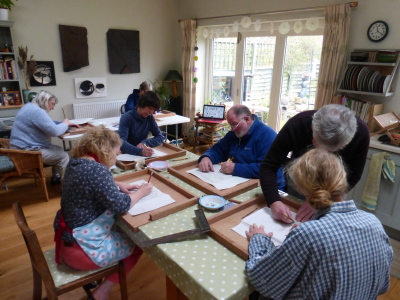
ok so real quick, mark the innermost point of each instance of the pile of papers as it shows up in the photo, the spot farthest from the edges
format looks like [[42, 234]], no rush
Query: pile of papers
[[129, 157]]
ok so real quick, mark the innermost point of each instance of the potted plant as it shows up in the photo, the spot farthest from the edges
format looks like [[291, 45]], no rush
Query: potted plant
[[5, 6], [162, 90], [27, 69]]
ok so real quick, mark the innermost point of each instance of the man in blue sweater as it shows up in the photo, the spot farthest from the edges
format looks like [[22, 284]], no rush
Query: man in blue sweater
[[135, 125], [133, 98], [247, 142]]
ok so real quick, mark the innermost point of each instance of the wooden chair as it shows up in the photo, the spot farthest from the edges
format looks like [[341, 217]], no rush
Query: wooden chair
[[60, 279], [24, 162]]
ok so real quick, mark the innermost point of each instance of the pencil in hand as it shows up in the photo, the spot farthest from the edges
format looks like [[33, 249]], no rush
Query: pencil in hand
[[151, 174], [287, 217]]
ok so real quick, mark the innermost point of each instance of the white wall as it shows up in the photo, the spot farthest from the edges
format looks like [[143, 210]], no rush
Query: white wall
[[367, 12], [36, 25]]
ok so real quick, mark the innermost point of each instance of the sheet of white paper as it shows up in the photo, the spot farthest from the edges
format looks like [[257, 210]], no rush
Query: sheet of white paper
[[264, 217], [154, 200], [158, 153], [130, 157], [220, 180]]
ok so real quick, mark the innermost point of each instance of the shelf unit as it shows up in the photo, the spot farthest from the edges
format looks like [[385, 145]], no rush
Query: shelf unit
[[13, 85], [383, 68]]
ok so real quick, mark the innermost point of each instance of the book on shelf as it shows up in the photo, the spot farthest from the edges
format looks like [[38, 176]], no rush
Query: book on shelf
[[363, 109]]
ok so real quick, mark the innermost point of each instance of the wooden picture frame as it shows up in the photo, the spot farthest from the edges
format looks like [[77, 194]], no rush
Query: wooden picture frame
[[74, 131], [11, 98], [183, 198], [389, 124], [171, 150], [221, 224], [179, 171]]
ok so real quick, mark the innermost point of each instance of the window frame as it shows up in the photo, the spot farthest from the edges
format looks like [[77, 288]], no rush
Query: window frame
[[278, 67]]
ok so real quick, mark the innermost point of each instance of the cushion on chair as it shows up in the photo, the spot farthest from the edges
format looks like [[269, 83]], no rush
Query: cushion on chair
[[6, 165], [62, 273]]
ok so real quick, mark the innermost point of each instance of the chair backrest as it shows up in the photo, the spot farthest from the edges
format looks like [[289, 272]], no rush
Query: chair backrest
[[5, 143], [24, 160], [38, 260], [122, 109]]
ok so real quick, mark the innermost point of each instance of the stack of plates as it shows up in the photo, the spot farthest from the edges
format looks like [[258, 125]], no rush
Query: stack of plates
[[359, 78]]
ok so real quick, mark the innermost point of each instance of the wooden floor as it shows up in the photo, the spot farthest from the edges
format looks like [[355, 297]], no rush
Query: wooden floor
[[146, 281]]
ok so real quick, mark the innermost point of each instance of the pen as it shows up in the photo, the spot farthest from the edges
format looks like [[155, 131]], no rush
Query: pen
[[150, 177], [64, 113], [180, 159], [287, 217], [158, 170], [250, 213]]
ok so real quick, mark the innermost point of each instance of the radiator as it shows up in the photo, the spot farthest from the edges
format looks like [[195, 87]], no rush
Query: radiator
[[98, 110]]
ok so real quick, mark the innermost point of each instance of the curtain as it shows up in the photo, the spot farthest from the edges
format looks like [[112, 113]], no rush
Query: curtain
[[189, 87], [334, 52]]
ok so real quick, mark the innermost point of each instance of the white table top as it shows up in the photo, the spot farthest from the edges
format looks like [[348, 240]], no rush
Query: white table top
[[111, 122]]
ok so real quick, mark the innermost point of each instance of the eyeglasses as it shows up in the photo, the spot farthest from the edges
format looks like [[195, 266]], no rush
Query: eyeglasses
[[234, 127]]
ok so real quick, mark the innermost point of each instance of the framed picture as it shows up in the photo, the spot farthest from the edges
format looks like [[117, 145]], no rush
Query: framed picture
[[44, 75], [11, 98]]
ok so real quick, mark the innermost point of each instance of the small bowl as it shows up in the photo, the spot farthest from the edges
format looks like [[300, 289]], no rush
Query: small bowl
[[212, 202], [162, 165]]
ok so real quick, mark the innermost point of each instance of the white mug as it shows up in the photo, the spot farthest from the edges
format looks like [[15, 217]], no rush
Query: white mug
[[140, 164]]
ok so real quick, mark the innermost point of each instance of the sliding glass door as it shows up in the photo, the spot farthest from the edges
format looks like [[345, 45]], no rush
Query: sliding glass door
[[274, 75]]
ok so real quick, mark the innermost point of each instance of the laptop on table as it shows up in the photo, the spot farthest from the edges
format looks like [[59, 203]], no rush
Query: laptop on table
[[213, 114]]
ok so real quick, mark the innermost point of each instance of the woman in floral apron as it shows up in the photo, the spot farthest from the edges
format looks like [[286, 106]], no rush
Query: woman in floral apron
[[84, 234]]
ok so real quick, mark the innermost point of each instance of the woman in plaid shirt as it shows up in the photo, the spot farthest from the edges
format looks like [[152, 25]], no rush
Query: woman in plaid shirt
[[341, 253]]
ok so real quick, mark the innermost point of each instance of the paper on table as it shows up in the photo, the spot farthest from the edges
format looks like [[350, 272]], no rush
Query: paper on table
[[158, 153], [264, 217], [154, 200], [220, 180], [130, 157]]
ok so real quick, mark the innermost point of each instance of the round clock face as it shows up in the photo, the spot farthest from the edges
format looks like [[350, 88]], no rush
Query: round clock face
[[377, 31]]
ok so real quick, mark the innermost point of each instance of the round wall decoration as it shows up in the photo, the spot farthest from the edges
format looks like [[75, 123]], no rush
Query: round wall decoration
[[312, 23], [86, 88], [298, 26], [284, 27]]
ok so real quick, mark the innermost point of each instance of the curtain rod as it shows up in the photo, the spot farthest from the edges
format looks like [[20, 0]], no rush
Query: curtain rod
[[352, 4]]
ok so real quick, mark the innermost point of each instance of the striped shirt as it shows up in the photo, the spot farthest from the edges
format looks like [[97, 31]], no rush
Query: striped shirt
[[341, 253]]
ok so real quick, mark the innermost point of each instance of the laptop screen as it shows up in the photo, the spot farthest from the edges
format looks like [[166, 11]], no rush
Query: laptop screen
[[214, 112]]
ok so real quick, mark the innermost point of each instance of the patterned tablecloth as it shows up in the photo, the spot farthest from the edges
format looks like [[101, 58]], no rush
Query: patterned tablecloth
[[199, 266]]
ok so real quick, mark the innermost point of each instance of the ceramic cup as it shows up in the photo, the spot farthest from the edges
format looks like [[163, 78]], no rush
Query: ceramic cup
[[140, 164]]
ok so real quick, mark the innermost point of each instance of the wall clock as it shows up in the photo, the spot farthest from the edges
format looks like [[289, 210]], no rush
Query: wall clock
[[377, 31]]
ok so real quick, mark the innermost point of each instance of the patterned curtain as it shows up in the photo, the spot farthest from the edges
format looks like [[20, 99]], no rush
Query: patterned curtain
[[189, 87], [334, 52]]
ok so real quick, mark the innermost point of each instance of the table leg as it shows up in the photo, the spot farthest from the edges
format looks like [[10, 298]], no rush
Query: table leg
[[176, 134], [195, 136], [173, 293]]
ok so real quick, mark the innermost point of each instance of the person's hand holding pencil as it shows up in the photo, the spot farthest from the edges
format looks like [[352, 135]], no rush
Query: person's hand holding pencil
[[228, 166], [147, 151]]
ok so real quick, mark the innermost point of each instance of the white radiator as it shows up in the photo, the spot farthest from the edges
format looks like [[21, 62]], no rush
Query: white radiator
[[98, 110]]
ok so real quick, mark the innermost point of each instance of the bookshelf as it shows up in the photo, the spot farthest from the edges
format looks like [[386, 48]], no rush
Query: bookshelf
[[9, 76], [365, 110]]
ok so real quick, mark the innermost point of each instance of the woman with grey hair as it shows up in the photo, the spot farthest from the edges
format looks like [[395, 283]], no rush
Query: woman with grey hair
[[33, 129], [133, 98], [333, 128]]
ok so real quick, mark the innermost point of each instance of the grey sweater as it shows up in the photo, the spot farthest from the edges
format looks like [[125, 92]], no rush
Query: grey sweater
[[33, 127]]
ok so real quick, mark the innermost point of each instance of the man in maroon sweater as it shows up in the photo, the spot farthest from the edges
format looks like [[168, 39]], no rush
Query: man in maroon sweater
[[334, 128]]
